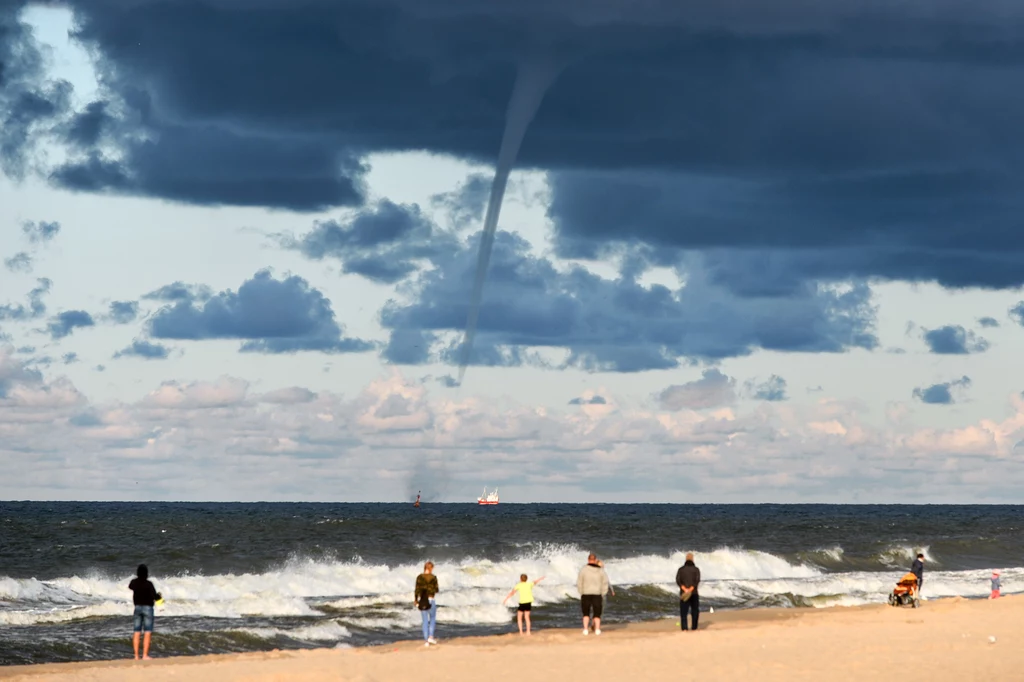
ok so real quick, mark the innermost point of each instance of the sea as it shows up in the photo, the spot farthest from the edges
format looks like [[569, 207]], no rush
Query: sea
[[249, 577]]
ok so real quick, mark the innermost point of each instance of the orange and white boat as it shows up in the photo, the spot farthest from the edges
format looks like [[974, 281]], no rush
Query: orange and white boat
[[488, 498]]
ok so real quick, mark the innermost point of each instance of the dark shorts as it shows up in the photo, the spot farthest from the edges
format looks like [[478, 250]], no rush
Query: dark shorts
[[592, 605], [143, 619], [526, 607]]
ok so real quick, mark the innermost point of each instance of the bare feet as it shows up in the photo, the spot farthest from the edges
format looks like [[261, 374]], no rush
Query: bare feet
[[146, 658]]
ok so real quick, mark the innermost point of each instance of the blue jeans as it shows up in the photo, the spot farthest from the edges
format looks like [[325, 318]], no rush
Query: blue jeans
[[143, 619], [429, 620]]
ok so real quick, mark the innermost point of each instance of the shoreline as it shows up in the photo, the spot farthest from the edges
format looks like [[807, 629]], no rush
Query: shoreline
[[844, 642]]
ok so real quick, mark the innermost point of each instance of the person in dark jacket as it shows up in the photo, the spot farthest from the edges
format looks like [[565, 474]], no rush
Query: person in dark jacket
[[917, 568], [688, 579], [144, 597]]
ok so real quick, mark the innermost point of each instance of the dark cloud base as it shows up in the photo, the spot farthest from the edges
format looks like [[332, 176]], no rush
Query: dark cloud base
[[615, 325], [826, 143], [269, 315]]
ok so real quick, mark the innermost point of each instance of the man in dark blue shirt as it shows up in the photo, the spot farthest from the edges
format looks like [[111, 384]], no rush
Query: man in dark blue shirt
[[917, 568], [144, 597]]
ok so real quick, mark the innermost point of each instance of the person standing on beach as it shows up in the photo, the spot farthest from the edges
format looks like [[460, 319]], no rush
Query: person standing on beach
[[688, 578], [917, 568], [426, 590], [592, 584], [525, 590], [995, 586], [144, 597]]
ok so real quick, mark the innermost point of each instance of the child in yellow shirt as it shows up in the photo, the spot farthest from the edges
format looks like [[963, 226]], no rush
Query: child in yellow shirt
[[525, 590]]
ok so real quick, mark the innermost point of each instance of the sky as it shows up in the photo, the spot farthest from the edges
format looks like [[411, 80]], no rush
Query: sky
[[747, 253]]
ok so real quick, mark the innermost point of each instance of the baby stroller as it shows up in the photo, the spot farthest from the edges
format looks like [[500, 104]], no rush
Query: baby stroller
[[905, 592]]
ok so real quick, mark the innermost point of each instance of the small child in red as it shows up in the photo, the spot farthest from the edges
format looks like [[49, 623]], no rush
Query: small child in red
[[995, 585]]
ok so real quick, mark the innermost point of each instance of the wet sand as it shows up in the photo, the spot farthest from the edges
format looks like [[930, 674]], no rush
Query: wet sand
[[944, 640]]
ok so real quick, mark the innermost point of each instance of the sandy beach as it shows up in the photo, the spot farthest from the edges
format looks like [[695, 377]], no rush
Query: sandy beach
[[943, 640]]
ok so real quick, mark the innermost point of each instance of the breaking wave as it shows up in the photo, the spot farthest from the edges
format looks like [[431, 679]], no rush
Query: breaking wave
[[376, 596]]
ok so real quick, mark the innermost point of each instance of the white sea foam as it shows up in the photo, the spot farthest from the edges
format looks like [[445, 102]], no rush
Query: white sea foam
[[379, 596], [321, 632], [13, 590]]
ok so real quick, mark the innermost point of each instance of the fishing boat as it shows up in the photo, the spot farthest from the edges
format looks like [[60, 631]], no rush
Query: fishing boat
[[488, 497]]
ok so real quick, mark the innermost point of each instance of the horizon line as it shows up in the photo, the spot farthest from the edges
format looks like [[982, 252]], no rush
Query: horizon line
[[474, 503]]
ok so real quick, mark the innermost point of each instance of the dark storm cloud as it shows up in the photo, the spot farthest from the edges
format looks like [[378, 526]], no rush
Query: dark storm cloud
[[87, 127], [40, 232], [954, 340], [382, 243], [68, 321], [92, 174], [618, 325], [269, 315], [772, 390], [29, 102], [792, 230], [210, 166], [466, 204], [494, 354], [146, 350], [942, 394], [123, 312], [870, 132]]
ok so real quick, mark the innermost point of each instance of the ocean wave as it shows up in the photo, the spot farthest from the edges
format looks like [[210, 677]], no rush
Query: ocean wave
[[823, 557], [265, 604], [62, 615], [896, 556], [329, 631], [376, 595]]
